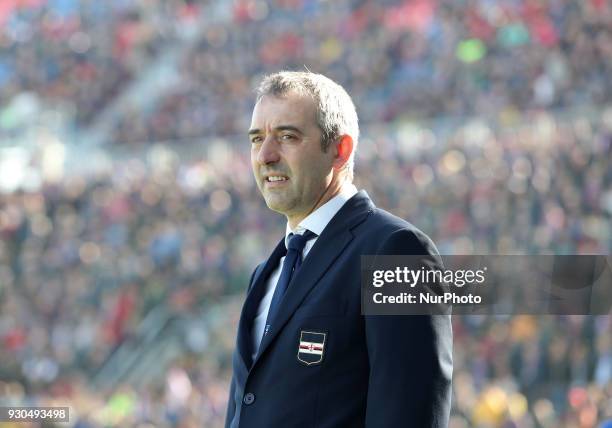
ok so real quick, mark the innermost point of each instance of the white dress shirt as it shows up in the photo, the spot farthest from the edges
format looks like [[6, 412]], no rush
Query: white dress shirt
[[315, 222]]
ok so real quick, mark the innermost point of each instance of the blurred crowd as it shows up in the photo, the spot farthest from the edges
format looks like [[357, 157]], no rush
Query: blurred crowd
[[418, 58], [397, 58], [78, 54], [526, 371], [83, 260]]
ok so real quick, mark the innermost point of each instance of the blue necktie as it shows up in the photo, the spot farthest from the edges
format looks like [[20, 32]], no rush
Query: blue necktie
[[292, 262]]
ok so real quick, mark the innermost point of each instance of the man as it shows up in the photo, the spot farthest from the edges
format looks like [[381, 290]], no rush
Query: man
[[305, 356]]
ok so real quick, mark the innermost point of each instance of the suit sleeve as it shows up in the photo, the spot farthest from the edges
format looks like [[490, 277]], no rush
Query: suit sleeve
[[231, 404], [410, 356]]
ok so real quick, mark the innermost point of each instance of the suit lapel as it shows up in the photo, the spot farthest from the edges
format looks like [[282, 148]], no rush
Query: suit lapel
[[332, 242], [251, 304]]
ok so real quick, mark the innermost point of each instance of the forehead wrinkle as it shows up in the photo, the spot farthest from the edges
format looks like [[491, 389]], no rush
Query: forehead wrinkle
[[295, 100], [292, 111]]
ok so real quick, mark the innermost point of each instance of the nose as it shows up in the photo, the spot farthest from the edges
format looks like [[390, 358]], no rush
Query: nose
[[268, 151]]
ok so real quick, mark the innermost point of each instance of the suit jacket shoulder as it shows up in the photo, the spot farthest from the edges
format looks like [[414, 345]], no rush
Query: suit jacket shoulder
[[393, 235]]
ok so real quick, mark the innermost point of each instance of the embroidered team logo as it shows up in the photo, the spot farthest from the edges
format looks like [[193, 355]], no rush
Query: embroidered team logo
[[312, 346]]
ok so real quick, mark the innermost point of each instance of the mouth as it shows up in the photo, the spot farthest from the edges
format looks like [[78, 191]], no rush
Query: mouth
[[275, 180]]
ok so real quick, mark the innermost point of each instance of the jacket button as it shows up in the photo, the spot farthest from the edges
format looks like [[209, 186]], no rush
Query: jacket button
[[248, 399]]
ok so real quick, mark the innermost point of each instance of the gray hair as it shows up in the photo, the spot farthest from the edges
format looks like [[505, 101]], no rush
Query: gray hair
[[335, 111]]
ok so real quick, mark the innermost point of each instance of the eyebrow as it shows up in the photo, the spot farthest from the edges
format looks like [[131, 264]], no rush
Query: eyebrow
[[278, 128]]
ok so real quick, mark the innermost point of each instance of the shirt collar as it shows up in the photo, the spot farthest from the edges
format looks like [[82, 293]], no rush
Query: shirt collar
[[318, 220]]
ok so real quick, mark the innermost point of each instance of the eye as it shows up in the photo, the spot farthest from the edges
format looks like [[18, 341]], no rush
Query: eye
[[256, 139], [288, 137]]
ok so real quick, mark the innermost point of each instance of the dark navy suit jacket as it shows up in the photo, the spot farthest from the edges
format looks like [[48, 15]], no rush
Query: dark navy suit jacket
[[373, 371]]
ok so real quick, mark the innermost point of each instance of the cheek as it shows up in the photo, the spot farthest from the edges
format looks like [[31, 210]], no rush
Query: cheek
[[315, 174]]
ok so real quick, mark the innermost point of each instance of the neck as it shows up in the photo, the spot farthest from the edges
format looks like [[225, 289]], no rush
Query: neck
[[333, 189]]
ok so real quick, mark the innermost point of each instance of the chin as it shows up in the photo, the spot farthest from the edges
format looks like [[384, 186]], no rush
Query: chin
[[273, 203], [280, 206]]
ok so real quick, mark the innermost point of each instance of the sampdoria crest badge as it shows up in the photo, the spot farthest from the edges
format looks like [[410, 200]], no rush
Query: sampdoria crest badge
[[311, 348]]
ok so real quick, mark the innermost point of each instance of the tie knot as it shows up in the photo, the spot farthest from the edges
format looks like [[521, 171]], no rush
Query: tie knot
[[297, 242]]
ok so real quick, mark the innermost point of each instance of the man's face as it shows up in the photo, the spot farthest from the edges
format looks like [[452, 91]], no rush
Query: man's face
[[290, 167]]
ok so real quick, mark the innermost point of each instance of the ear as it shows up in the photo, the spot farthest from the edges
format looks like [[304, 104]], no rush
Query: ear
[[343, 151]]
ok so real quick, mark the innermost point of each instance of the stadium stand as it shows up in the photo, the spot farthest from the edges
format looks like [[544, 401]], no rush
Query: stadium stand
[[485, 125]]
